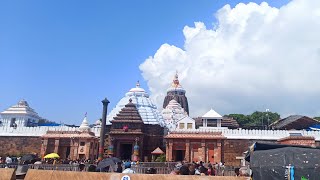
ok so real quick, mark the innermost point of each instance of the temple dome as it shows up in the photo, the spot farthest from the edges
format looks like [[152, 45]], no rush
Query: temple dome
[[23, 103], [84, 125], [98, 122], [177, 93], [176, 86], [140, 98], [172, 114]]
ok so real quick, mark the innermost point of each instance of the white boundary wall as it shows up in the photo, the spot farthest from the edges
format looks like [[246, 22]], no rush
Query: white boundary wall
[[253, 134], [228, 133], [39, 131]]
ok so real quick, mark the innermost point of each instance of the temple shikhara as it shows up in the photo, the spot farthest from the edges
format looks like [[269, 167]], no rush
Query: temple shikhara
[[130, 138], [138, 130], [20, 115]]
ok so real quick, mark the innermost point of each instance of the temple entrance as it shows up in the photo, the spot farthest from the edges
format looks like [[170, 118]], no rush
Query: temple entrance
[[126, 151], [179, 155], [68, 152]]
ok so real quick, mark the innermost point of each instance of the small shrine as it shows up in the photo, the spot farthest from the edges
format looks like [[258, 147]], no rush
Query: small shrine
[[79, 144], [129, 138]]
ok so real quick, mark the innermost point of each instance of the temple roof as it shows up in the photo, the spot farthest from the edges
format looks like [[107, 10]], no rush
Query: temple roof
[[229, 122], [157, 151], [146, 108], [22, 108], [128, 114], [214, 135], [176, 86], [84, 125], [68, 134], [212, 114], [297, 122]]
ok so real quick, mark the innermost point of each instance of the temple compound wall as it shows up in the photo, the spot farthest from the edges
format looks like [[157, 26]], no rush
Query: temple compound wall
[[19, 145]]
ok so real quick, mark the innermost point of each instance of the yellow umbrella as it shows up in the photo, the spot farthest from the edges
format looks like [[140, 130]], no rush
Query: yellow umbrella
[[52, 155]]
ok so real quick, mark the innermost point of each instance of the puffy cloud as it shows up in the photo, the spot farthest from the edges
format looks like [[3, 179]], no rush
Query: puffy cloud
[[255, 57]]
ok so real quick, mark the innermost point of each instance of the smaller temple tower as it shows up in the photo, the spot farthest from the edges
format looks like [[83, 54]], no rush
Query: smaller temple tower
[[20, 115], [177, 93]]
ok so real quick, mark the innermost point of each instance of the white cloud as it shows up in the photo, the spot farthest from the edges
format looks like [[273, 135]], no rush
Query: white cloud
[[256, 57]]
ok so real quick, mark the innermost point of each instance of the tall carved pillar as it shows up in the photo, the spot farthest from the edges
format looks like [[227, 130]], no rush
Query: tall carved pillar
[[56, 146], [105, 103], [203, 149], [87, 152], [217, 151], [44, 147], [170, 150], [187, 154], [167, 150], [71, 149]]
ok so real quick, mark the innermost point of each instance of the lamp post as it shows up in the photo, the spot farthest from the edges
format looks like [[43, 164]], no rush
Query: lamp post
[[267, 111], [105, 103]]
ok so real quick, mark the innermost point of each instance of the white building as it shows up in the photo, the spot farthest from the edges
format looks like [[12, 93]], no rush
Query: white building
[[211, 119], [20, 115], [172, 114], [186, 123], [147, 109]]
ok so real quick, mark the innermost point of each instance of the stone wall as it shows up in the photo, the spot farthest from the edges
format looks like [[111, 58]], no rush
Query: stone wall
[[17, 145], [233, 148], [33, 174]]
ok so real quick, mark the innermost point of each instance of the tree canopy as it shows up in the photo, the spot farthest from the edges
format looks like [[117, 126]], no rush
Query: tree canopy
[[256, 119]]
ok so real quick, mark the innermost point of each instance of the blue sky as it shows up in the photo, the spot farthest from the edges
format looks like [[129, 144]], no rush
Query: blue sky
[[64, 57]]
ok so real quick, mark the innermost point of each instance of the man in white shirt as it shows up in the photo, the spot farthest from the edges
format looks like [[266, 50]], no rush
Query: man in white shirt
[[8, 160], [128, 170]]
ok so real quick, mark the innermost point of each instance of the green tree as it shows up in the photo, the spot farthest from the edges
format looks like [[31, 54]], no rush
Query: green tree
[[161, 158], [256, 119], [317, 118], [240, 118]]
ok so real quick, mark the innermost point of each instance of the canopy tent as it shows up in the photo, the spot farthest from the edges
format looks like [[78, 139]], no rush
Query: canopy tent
[[157, 151], [273, 161], [51, 156]]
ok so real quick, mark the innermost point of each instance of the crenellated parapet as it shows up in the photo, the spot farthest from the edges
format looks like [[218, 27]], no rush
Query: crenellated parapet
[[252, 134], [40, 130]]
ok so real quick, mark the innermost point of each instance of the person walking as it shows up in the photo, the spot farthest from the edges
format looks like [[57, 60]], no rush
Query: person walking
[[128, 170], [119, 167]]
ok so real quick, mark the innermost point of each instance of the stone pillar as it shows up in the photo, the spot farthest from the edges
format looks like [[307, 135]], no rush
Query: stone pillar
[[187, 154], [87, 153], [105, 103], [203, 150], [44, 147], [170, 150], [167, 150], [217, 151], [56, 146]]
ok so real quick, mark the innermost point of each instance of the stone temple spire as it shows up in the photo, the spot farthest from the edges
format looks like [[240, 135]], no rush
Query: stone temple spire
[[84, 125], [177, 93], [176, 82]]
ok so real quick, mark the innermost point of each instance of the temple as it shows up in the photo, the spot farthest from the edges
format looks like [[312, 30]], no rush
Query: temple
[[136, 130], [147, 109], [20, 115], [177, 93], [172, 114], [79, 144], [134, 127]]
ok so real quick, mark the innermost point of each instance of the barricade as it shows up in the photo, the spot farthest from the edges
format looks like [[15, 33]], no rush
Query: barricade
[[7, 174], [66, 175]]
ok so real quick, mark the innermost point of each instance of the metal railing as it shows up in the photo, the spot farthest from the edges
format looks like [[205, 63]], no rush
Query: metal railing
[[141, 168]]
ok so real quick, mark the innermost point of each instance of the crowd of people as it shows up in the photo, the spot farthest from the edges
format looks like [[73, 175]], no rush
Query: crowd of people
[[201, 168], [181, 168]]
